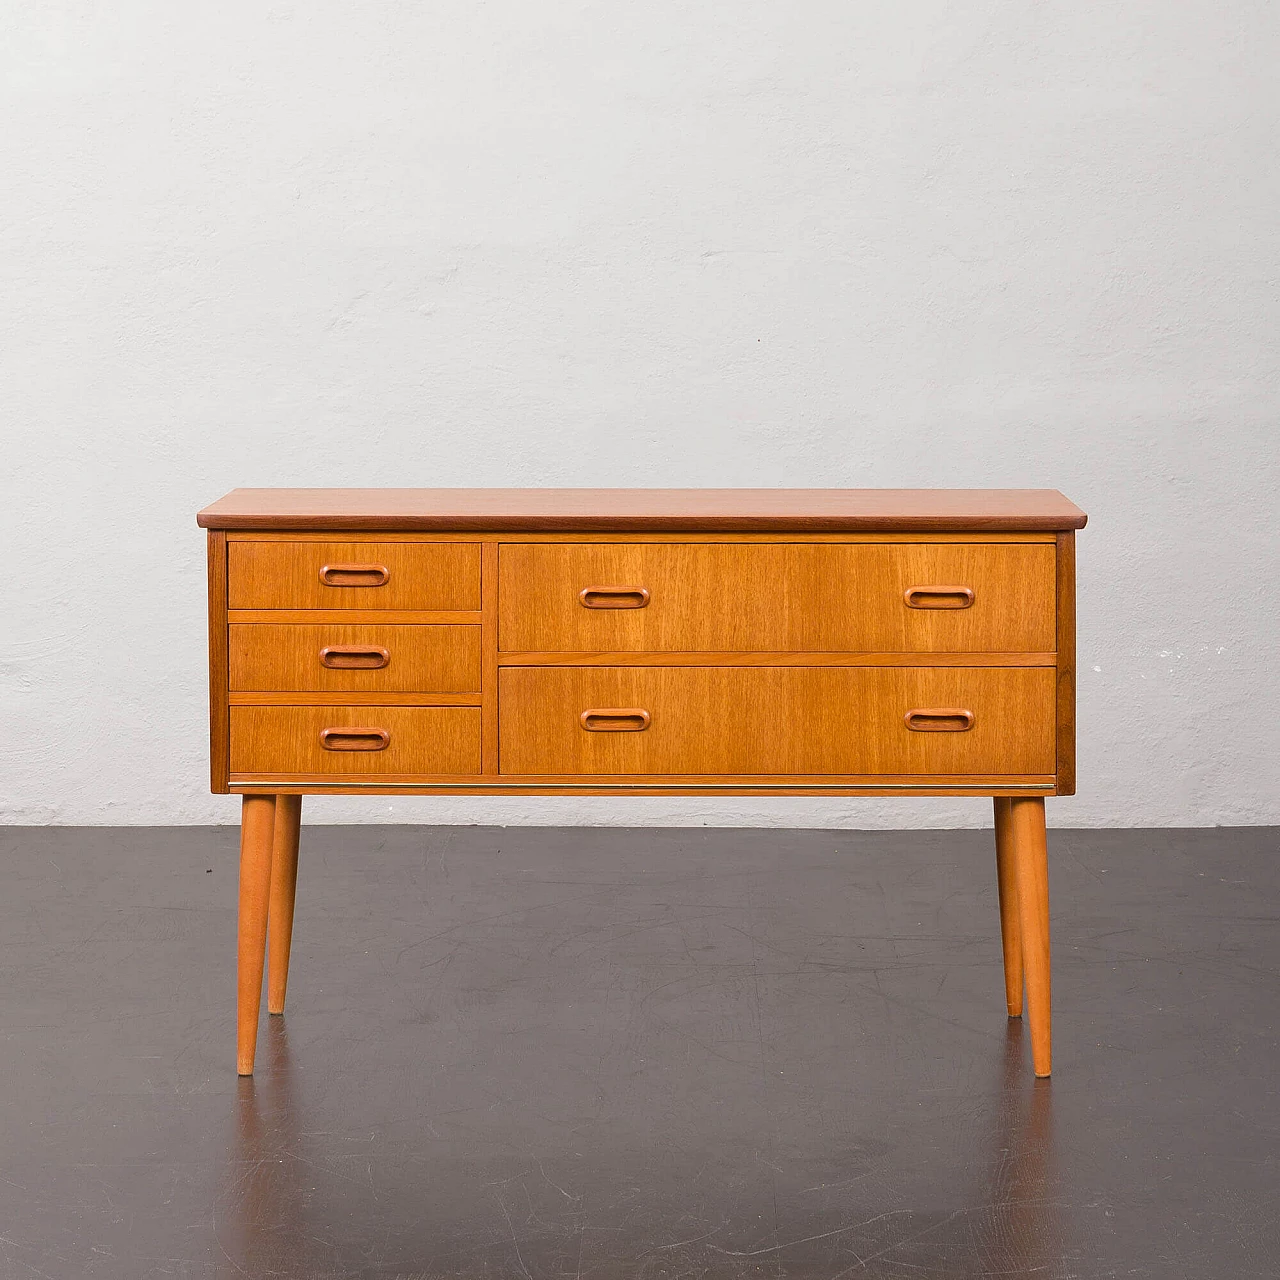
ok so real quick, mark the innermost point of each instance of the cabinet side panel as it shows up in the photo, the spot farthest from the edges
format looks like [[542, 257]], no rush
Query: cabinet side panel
[[1066, 622], [218, 713]]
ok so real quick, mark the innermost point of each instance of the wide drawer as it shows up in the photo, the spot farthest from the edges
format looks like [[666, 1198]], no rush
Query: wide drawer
[[323, 657], [355, 740], [777, 720], [780, 597], [353, 575]]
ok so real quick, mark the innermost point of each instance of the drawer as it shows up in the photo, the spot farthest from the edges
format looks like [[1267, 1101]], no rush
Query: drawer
[[776, 720], [377, 740], [779, 597], [324, 657], [353, 575]]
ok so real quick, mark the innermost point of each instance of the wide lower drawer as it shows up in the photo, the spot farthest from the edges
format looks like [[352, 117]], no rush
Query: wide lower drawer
[[778, 720], [353, 575], [777, 597], [355, 740], [326, 657]]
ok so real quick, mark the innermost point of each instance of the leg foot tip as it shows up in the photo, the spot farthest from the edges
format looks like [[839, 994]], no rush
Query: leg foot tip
[[276, 1013]]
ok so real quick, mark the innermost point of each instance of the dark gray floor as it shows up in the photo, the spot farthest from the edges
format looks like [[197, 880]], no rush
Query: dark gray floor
[[651, 1053]]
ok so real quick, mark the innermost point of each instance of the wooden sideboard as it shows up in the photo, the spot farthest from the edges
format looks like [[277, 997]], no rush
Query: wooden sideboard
[[641, 642]]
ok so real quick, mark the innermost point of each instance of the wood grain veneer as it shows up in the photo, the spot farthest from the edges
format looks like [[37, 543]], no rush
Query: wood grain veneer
[[637, 536], [1066, 649], [351, 698], [779, 597], [630, 785], [620, 510], [781, 720], [650, 658], [287, 575], [425, 740], [419, 659], [350, 617], [217, 661]]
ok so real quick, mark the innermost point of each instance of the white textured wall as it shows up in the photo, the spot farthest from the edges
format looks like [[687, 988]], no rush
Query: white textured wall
[[713, 243]]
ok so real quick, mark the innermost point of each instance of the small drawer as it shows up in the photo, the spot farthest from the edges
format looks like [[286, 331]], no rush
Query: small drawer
[[355, 740], [777, 598], [335, 657], [940, 721], [353, 575]]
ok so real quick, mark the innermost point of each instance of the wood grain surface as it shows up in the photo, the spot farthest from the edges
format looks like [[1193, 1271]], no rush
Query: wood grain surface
[[650, 658], [776, 720], [217, 565], [766, 510], [419, 659], [286, 575], [631, 785], [779, 597], [1066, 649], [422, 740]]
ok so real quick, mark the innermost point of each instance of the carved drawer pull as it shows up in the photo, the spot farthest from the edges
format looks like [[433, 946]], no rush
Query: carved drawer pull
[[615, 720], [939, 720], [354, 657], [354, 739], [355, 575], [613, 597], [938, 597]]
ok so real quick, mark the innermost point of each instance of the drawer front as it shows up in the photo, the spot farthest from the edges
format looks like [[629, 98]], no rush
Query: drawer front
[[782, 598], [777, 720], [369, 658], [353, 575], [355, 740]]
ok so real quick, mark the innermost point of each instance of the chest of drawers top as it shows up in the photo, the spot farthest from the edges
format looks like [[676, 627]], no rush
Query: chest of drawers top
[[648, 510]]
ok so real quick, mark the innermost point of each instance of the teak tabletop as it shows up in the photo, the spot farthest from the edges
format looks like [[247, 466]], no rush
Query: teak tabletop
[[640, 510]]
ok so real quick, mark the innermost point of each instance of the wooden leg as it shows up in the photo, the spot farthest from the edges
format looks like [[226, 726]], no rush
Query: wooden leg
[[284, 884], [257, 826], [1026, 820], [1010, 929]]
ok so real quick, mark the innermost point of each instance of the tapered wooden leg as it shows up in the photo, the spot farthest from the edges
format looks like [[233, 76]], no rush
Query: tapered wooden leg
[[284, 884], [257, 829], [1010, 929], [1026, 820]]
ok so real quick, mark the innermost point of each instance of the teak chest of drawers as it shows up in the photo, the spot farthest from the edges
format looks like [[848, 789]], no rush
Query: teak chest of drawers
[[641, 642]]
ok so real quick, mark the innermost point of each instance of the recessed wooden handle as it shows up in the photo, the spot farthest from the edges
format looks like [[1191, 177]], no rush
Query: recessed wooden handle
[[938, 597], [613, 597], [939, 720], [354, 739], [355, 575], [615, 720], [354, 657]]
